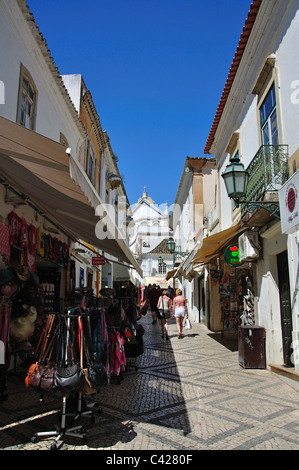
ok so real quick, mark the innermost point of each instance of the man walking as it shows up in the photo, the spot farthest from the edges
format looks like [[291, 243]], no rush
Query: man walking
[[153, 297]]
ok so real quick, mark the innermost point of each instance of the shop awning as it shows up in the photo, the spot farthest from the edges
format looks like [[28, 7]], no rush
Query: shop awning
[[39, 168], [170, 274], [122, 273], [213, 245]]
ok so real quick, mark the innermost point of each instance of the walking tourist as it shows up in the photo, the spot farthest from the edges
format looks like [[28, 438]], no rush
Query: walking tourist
[[179, 310], [153, 297], [164, 306]]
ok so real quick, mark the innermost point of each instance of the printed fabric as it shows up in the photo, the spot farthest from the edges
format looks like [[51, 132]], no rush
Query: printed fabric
[[4, 246]]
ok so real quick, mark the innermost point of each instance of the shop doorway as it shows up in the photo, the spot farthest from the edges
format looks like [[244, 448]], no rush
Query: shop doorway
[[201, 300], [285, 306]]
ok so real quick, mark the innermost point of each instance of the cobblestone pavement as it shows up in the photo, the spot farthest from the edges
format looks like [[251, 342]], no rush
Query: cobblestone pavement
[[187, 394]]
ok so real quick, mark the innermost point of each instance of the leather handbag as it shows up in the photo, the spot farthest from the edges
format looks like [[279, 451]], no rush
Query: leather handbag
[[68, 379], [46, 383], [43, 352], [30, 374], [97, 375], [87, 388], [35, 378], [68, 375]]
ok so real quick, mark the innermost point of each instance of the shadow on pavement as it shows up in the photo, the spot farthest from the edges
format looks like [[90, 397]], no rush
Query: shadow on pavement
[[229, 340], [151, 395]]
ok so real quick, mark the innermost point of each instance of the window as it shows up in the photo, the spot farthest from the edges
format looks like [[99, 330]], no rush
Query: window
[[268, 115], [162, 268], [27, 100], [90, 164]]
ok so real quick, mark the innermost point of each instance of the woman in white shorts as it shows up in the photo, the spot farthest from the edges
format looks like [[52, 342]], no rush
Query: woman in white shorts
[[179, 310]]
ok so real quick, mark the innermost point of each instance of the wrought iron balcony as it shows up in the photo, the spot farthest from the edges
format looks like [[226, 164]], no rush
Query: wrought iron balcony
[[267, 172]]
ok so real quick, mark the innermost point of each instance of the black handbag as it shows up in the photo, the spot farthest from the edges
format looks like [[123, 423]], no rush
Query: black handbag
[[68, 374], [68, 379], [97, 375]]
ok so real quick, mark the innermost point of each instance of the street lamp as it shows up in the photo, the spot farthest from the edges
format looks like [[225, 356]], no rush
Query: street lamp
[[172, 249], [236, 179], [171, 245]]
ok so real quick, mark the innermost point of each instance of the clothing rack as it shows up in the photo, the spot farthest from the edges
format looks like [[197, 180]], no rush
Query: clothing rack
[[78, 431], [108, 344]]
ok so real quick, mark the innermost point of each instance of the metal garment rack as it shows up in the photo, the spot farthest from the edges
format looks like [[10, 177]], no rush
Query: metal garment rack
[[62, 430]]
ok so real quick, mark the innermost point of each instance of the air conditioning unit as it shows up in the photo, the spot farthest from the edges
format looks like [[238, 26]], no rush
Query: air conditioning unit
[[249, 246]]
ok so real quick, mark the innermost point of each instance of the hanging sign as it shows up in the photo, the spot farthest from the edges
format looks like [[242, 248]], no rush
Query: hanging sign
[[98, 261], [289, 204], [231, 255]]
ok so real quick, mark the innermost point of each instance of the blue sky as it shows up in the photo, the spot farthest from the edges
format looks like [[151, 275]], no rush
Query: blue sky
[[156, 70]]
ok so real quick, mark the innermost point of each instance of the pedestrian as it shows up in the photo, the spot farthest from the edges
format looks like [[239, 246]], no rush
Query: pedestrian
[[170, 292], [179, 310], [164, 306], [153, 297]]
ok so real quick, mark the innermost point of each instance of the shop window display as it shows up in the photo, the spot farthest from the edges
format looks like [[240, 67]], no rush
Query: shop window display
[[236, 297]]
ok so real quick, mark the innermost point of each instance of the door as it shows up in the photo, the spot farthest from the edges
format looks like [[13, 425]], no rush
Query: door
[[285, 306], [201, 298]]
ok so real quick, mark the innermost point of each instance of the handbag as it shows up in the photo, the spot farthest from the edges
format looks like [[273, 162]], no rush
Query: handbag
[[47, 378], [43, 352], [30, 374], [87, 388], [97, 375], [68, 379], [68, 375], [144, 307]]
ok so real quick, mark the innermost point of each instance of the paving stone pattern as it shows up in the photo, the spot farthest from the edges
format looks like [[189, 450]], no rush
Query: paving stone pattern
[[187, 394]]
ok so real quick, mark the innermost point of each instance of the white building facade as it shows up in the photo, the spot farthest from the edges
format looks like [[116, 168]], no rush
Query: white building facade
[[257, 121], [150, 227]]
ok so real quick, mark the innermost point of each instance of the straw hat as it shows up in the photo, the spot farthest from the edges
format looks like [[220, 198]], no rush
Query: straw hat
[[22, 272], [23, 327]]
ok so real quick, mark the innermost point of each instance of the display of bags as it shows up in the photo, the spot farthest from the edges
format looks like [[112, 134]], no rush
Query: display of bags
[[43, 354]]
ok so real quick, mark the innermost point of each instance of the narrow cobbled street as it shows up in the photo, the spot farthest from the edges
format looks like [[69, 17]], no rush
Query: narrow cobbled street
[[187, 394]]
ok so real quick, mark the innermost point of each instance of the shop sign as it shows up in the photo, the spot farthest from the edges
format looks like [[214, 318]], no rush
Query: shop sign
[[98, 261], [231, 255], [289, 204]]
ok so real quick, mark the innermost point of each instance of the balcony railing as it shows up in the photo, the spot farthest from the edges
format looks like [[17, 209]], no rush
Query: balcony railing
[[267, 172]]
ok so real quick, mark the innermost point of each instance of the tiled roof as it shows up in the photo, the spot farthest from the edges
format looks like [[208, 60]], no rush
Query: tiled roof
[[254, 8], [161, 249]]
